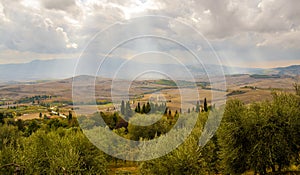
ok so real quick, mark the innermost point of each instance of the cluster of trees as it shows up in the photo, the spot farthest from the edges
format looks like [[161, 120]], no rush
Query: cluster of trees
[[54, 146], [126, 110], [187, 158], [150, 108], [198, 108], [101, 119], [146, 108], [2, 103], [34, 99], [263, 136], [6, 115], [260, 138], [27, 127], [161, 126]]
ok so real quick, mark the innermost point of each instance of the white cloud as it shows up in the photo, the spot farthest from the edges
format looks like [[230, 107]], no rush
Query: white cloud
[[58, 4], [28, 30], [283, 40], [236, 27]]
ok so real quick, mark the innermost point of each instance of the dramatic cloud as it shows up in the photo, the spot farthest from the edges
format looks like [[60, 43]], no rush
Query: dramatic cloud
[[29, 29], [240, 30], [58, 4]]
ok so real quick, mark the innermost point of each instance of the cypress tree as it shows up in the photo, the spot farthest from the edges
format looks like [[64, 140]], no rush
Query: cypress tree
[[205, 105], [198, 107], [297, 88], [70, 116], [128, 111], [166, 111], [138, 108], [156, 107], [143, 109], [176, 114], [123, 107], [148, 108]]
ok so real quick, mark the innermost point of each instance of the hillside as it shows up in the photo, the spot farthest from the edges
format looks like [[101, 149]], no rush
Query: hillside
[[245, 87]]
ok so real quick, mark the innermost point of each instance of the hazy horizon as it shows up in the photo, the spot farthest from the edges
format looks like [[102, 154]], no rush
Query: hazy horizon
[[261, 65]]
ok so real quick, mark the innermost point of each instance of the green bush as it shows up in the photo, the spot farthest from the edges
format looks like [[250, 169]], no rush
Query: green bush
[[65, 151], [136, 131]]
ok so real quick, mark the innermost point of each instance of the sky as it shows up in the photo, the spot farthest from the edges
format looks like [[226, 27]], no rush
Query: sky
[[244, 33]]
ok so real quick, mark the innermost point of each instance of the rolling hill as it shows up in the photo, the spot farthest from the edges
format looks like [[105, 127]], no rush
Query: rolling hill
[[65, 68]]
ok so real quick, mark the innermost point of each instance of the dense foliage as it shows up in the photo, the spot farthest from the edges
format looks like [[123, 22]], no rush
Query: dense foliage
[[258, 138], [51, 147], [262, 137]]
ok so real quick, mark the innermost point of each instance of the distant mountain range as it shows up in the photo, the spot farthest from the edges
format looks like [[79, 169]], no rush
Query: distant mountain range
[[291, 70], [65, 68]]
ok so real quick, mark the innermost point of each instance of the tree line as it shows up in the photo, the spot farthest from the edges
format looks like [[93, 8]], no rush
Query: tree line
[[152, 108]]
